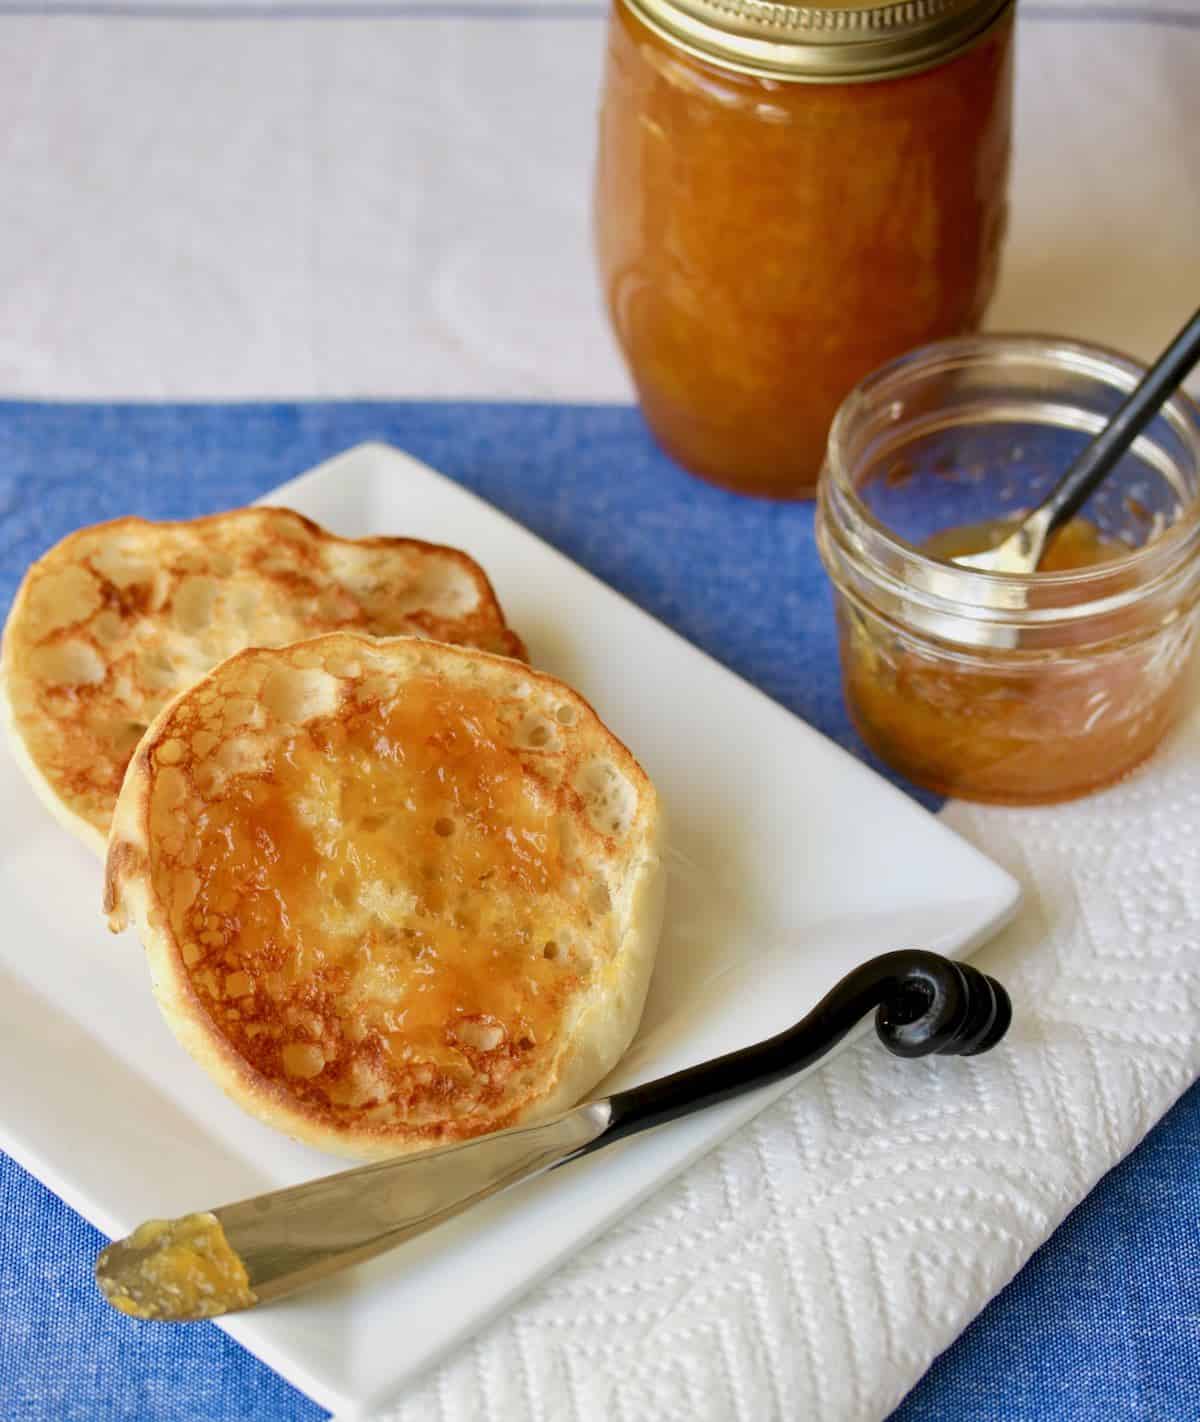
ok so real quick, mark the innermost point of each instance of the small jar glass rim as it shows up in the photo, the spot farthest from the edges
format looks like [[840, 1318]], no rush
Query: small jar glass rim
[[1182, 531]]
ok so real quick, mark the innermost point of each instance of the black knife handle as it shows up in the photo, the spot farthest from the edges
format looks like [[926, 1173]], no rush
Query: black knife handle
[[923, 1003]]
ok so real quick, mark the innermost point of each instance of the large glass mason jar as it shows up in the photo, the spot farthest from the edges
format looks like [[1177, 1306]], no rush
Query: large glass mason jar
[[786, 197]]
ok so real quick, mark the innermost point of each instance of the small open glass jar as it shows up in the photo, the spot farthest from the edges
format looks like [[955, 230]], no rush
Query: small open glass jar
[[996, 687]]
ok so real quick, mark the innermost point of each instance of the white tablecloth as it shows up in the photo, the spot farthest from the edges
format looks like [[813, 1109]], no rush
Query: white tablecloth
[[397, 204]]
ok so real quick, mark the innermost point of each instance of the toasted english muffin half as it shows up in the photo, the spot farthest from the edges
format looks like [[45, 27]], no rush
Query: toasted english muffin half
[[394, 894], [117, 618]]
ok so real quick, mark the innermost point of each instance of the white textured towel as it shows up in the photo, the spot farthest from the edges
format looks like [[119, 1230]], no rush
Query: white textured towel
[[307, 206]]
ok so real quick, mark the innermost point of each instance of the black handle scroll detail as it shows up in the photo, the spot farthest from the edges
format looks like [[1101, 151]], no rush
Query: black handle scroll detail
[[924, 1004], [945, 1007]]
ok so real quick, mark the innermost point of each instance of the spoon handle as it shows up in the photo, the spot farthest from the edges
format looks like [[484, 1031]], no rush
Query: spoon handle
[[924, 1003], [1162, 379]]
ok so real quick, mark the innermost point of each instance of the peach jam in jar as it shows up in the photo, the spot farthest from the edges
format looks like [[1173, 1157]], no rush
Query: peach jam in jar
[[787, 196], [999, 687]]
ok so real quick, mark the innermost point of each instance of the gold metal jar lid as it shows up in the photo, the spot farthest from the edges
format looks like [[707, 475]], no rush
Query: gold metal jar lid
[[832, 42]]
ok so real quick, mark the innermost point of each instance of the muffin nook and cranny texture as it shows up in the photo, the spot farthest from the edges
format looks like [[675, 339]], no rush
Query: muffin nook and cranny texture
[[394, 892]]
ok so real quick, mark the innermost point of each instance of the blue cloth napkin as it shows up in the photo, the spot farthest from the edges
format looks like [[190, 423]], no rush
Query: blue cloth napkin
[[1104, 1323]]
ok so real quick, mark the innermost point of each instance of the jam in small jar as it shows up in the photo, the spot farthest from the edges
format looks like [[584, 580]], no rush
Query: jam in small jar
[[786, 197], [1012, 689]]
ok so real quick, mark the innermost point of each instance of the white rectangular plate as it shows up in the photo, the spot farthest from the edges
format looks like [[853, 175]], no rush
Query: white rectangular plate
[[790, 863]]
